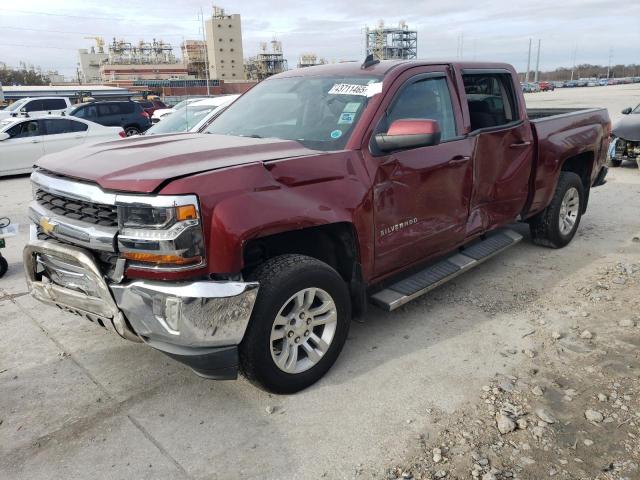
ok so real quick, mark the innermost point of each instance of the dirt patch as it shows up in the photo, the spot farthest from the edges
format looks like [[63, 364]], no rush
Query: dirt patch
[[571, 411]]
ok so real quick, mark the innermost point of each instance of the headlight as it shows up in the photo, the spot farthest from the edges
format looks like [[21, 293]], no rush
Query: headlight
[[162, 232]]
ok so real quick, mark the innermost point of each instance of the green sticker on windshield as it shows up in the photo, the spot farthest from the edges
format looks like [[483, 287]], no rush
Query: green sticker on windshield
[[351, 107], [336, 134]]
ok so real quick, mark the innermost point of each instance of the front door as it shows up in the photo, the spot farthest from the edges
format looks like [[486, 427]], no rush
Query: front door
[[421, 195], [19, 152]]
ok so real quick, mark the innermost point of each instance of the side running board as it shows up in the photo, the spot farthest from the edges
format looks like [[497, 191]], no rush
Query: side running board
[[444, 270]]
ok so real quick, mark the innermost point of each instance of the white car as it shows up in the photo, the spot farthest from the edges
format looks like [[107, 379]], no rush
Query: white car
[[191, 117], [36, 106], [163, 112], [23, 140]]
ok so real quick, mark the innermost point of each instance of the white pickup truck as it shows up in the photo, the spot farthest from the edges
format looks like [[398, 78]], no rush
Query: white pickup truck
[[36, 106]]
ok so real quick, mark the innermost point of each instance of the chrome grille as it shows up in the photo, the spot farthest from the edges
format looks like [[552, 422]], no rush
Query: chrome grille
[[94, 213]]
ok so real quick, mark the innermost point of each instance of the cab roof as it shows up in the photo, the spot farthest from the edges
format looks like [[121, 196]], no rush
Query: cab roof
[[383, 68]]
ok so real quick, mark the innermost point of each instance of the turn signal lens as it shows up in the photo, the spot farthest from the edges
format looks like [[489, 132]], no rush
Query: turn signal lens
[[186, 212], [160, 259]]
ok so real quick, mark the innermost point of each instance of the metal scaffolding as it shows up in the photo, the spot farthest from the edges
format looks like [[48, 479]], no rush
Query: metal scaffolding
[[310, 60], [266, 63], [155, 52], [387, 43]]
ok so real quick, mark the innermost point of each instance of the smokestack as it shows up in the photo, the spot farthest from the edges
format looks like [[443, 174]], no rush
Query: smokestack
[[526, 79], [538, 62]]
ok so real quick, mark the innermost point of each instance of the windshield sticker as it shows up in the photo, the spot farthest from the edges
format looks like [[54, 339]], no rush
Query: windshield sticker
[[346, 118], [351, 107], [336, 134], [374, 89], [347, 89], [361, 90]]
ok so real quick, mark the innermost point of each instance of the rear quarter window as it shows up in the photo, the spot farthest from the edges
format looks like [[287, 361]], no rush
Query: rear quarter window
[[54, 104], [127, 107]]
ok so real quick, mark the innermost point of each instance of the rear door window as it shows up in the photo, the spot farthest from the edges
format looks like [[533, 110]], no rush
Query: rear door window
[[491, 100], [56, 126], [54, 104], [78, 126], [126, 107]]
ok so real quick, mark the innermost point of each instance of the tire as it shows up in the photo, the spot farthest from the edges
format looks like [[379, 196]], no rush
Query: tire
[[131, 131], [282, 279], [4, 266], [546, 227]]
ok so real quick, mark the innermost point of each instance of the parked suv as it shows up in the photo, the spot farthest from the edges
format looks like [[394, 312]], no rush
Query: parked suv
[[36, 106], [126, 114]]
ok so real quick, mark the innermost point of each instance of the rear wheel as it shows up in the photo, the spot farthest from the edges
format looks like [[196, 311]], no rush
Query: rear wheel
[[614, 162], [298, 326], [131, 131], [556, 225]]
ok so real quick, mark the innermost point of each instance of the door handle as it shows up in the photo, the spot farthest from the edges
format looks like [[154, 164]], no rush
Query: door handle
[[520, 145], [459, 160], [78, 136], [35, 141]]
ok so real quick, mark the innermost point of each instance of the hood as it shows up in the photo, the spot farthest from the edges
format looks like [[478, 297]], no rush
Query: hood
[[142, 164], [628, 127]]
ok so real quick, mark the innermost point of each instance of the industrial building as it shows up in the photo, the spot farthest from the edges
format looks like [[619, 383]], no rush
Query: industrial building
[[124, 60], [266, 63], [194, 57], [310, 60], [224, 45], [90, 61], [388, 43]]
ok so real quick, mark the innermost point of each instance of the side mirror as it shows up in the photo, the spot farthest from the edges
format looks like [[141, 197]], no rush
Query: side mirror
[[4, 136], [409, 133], [627, 111]]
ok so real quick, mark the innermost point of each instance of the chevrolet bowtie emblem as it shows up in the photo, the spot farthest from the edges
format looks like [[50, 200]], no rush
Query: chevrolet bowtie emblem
[[47, 226]]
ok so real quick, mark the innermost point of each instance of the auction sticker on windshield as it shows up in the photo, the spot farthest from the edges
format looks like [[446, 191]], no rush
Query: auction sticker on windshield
[[361, 90]]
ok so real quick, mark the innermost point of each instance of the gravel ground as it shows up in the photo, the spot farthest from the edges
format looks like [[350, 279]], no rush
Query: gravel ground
[[77, 402]]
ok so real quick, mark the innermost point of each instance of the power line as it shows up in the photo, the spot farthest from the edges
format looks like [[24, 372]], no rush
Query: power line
[[33, 12], [86, 33]]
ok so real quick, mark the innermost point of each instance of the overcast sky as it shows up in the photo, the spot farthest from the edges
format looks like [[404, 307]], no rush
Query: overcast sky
[[48, 33]]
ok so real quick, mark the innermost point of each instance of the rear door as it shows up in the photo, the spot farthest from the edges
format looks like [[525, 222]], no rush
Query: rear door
[[504, 147], [62, 133], [109, 114], [421, 195], [19, 152]]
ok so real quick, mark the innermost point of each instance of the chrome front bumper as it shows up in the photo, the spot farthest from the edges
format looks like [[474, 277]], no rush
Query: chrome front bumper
[[197, 315]]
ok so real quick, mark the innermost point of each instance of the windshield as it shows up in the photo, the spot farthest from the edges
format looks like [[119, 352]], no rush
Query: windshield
[[637, 109], [318, 112], [182, 120], [14, 107]]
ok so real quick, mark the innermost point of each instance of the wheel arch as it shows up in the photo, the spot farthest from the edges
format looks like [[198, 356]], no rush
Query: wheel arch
[[335, 244], [582, 165]]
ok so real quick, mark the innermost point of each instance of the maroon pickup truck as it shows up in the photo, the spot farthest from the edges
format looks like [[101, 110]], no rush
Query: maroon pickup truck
[[249, 247]]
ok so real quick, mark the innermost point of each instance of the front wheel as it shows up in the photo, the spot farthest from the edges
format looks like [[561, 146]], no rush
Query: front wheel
[[4, 266], [298, 326], [557, 224]]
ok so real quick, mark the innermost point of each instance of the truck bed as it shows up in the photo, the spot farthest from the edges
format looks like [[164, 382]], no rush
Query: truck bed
[[540, 113]]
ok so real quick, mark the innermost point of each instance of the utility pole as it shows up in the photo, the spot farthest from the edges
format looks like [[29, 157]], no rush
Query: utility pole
[[573, 61], [206, 52], [526, 79], [538, 62], [609, 66]]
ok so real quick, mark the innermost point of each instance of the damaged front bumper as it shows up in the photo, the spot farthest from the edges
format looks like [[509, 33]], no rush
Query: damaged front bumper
[[197, 323]]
